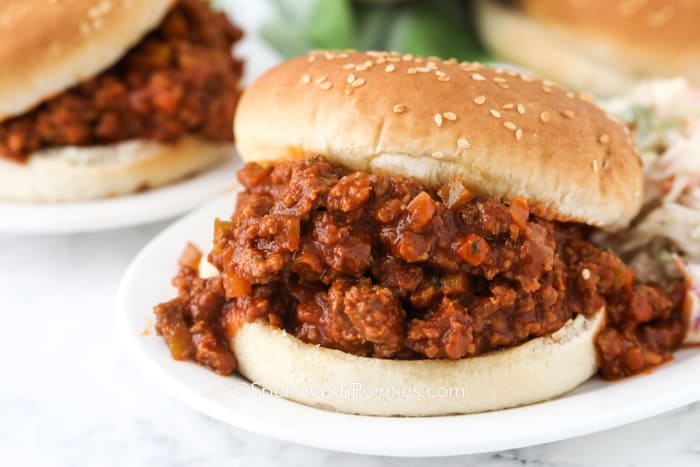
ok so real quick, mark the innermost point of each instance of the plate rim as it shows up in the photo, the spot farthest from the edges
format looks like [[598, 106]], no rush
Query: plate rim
[[80, 216], [169, 382]]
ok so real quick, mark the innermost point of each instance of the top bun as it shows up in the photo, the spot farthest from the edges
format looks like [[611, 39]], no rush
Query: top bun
[[51, 45], [658, 27], [502, 133], [597, 45]]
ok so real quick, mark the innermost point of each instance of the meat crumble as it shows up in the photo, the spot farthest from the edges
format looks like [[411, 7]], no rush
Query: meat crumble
[[381, 266], [180, 79]]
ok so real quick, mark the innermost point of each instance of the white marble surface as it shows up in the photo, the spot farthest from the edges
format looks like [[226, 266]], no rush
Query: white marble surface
[[70, 396]]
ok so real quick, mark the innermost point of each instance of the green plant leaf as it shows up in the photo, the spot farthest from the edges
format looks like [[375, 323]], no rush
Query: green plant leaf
[[442, 28], [284, 39], [332, 25]]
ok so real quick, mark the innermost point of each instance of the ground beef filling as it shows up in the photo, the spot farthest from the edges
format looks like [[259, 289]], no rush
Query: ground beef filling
[[380, 266], [180, 79]]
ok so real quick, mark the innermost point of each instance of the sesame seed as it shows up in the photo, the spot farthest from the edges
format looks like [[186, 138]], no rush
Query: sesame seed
[[660, 17], [630, 6], [510, 126], [321, 79], [546, 89], [444, 78], [586, 274], [463, 143], [431, 65], [570, 94], [519, 134], [479, 100], [351, 78], [399, 108], [451, 116], [499, 79], [544, 116], [568, 114], [495, 113], [606, 164], [478, 77], [312, 58], [439, 73], [389, 68], [450, 61], [349, 66], [418, 60], [330, 55], [347, 91], [521, 109], [358, 82], [595, 165], [326, 86], [411, 71], [407, 58], [380, 61], [502, 85], [507, 106], [438, 119], [306, 79], [604, 138], [438, 155], [361, 68]]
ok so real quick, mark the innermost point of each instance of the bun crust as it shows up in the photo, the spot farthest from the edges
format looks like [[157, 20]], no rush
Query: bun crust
[[57, 44], [657, 26], [504, 134], [82, 173], [598, 46], [538, 370]]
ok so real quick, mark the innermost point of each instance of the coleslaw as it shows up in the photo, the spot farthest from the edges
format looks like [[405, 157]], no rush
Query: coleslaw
[[663, 242]]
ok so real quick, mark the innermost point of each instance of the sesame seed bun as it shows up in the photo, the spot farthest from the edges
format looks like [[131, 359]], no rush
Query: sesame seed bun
[[56, 44], [72, 173], [535, 371], [503, 133], [597, 45]]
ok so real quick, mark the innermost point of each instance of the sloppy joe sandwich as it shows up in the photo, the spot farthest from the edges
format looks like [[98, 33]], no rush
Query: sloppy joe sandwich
[[107, 97], [413, 238], [603, 46]]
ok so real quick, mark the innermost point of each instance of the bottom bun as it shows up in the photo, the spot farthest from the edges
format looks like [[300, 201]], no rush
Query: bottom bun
[[537, 370], [80, 173]]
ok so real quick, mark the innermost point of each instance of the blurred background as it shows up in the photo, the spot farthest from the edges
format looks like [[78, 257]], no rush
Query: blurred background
[[599, 46]]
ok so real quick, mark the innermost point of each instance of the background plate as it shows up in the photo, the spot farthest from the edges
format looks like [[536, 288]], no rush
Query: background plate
[[122, 211], [594, 406]]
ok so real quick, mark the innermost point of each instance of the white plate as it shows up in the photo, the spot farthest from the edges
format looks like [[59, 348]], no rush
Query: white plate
[[594, 406], [123, 211]]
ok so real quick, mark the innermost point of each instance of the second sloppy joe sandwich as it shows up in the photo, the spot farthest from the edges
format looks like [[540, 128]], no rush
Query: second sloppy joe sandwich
[[409, 224], [102, 98]]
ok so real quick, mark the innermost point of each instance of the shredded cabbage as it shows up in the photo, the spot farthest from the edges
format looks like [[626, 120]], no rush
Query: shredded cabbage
[[663, 242]]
